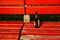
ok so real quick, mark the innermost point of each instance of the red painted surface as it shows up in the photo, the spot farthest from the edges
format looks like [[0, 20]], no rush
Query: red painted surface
[[42, 2], [21, 2], [12, 10], [31, 10], [10, 30], [11, 2], [43, 10]]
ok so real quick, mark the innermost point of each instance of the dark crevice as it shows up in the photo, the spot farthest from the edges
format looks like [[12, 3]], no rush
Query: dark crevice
[[31, 5], [13, 17]]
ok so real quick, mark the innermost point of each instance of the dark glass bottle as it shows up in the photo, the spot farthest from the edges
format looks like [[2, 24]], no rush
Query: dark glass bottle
[[36, 23]]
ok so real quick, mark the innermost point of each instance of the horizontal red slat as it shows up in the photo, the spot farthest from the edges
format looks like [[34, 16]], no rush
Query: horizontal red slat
[[18, 2], [14, 27], [43, 10], [39, 33], [8, 36], [17, 25], [31, 10], [10, 30], [11, 2], [21, 2], [31, 32], [12, 10], [42, 2], [14, 36], [49, 38], [8, 39]]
